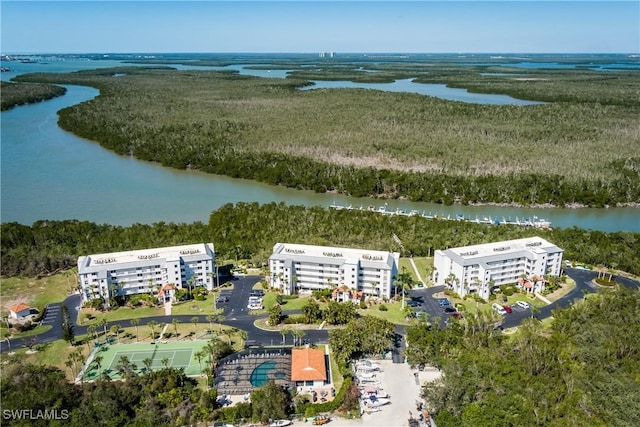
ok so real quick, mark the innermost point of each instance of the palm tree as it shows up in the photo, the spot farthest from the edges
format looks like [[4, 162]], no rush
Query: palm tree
[[103, 322], [152, 324], [135, 323], [165, 362], [195, 321], [190, 283], [199, 355], [175, 325], [98, 362], [93, 329], [125, 368], [116, 329], [405, 281], [297, 335], [226, 332], [210, 319], [147, 362], [243, 335], [284, 331]]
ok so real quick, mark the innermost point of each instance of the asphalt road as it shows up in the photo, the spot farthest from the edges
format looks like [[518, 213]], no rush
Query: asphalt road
[[237, 315]]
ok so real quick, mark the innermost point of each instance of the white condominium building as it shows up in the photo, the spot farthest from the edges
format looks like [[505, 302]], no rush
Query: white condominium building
[[303, 267], [479, 268], [146, 271]]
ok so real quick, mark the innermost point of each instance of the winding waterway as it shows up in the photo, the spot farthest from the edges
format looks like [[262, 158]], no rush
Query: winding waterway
[[48, 173]]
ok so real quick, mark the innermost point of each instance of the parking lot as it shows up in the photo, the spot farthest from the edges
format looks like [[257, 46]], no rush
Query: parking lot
[[398, 380]]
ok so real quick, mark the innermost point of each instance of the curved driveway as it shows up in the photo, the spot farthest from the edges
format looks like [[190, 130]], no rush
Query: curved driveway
[[237, 316]]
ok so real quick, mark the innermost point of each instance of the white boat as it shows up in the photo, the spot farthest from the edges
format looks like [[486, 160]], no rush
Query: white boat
[[367, 365], [368, 381], [376, 392], [280, 423], [364, 368], [374, 402], [366, 375]]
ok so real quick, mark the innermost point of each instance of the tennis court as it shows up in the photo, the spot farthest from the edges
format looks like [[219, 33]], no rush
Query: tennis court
[[174, 355]]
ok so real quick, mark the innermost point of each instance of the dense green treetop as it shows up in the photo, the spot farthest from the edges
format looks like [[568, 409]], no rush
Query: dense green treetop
[[12, 94], [583, 147], [584, 371], [249, 231]]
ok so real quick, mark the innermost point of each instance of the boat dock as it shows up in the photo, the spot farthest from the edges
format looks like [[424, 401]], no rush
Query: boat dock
[[525, 222]]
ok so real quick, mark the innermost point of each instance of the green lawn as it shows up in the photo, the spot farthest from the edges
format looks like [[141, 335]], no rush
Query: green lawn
[[121, 313], [36, 292], [394, 314], [4, 332], [567, 287], [292, 304], [423, 264], [54, 353]]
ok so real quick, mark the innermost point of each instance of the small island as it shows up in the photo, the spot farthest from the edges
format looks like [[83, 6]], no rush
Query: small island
[[14, 94]]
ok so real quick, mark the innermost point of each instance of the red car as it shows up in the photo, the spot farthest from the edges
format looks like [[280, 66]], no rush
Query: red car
[[507, 309]]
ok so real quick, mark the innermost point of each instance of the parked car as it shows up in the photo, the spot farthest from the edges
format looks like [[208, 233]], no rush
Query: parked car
[[444, 302], [523, 304], [222, 299], [257, 293], [413, 303], [255, 306], [498, 308], [507, 308], [449, 310]]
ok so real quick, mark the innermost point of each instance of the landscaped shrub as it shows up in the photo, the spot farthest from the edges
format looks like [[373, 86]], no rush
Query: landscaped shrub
[[478, 298], [492, 297], [289, 320], [452, 294], [382, 307], [508, 290], [94, 303], [604, 281]]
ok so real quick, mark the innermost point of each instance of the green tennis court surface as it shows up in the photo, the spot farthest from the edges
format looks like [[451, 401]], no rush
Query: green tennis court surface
[[180, 355]]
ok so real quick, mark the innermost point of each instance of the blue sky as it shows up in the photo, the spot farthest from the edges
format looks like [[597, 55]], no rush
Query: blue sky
[[330, 26]]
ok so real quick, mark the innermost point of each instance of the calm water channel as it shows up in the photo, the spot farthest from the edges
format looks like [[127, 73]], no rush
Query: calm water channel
[[48, 173]]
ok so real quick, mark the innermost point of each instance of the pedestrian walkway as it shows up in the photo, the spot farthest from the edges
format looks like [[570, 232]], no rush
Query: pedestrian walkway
[[164, 331], [167, 308], [51, 313], [545, 300], [415, 268]]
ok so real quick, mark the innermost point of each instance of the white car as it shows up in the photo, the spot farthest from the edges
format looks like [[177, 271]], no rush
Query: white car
[[280, 423], [523, 304], [499, 309], [255, 307]]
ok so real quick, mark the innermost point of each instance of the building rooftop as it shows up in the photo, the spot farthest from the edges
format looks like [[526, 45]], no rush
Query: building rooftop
[[19, 307], [319, 254], [308, 364], [497, 250], [141, 257]]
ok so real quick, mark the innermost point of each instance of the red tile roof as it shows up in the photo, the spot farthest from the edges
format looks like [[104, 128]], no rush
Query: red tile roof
[[167, 287], [19, 307], [307, 364]]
